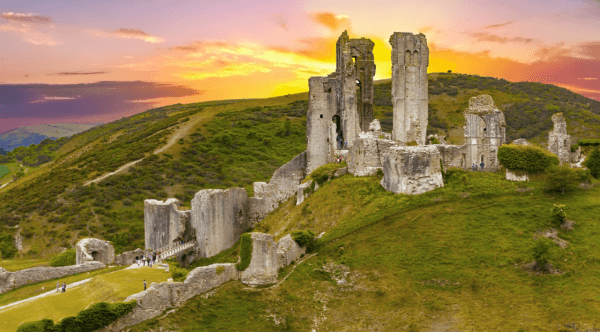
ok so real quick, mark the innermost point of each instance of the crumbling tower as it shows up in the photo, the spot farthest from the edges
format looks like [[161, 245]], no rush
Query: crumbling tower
[[485, 132], [410, 59], [559, 142]]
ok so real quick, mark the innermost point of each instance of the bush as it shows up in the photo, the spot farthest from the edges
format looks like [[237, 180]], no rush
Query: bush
[[305, 239], [245, 252], [7, 246], [96, 316], [561, 177], [589, 142], [64, 259], [179, 274], [593, 163], [542, 251], [527, 158], [558, 214]]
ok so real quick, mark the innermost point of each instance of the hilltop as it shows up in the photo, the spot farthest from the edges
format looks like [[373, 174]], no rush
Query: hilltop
[[181, 149]]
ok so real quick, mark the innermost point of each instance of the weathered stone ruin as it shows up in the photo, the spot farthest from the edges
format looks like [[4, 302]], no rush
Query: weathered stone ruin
[[264, 264], [165, 223], [288, 251], [516, 176], [12, 280], [129, 257], [410, 94], [559, 142], [485, 132], [520, 141], [411, 170], [94, 250]]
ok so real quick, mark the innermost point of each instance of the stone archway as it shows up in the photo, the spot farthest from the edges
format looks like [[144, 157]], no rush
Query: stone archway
[[95, 255]]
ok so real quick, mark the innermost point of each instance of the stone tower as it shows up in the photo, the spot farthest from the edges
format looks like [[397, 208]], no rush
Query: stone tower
[[410, 59], [485, 132], [559, 142]]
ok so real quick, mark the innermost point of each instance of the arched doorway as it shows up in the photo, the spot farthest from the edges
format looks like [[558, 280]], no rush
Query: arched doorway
[[95, 255]]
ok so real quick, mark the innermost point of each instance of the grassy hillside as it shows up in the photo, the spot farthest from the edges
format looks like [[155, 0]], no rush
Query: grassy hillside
[[449, 260], [222, 144]]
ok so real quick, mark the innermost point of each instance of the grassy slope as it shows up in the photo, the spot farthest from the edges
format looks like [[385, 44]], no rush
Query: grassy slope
[[54, 209], [393, 245], [110, 287]]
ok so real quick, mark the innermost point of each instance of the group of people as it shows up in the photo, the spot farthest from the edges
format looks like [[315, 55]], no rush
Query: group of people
[[474, 167], [149, 260], [59, 288], [342, 145]]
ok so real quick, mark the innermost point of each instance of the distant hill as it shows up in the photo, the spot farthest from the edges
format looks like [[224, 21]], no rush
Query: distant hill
[[26, 136]]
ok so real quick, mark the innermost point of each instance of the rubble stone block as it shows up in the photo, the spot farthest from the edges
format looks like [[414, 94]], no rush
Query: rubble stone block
[[513, 176], [94, 250], [288, 251], [412, 170], [264, 264]]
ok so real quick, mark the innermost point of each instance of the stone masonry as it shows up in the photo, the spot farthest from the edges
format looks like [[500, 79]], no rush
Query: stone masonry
[[410, 94], [485, 132], [12, 280], [559, 142], [411, 170], [164, 223], [264, 265], [128, 257], [288, 251], [90, 250]]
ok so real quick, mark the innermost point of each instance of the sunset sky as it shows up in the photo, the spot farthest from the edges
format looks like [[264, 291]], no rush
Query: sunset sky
[[188, 51]]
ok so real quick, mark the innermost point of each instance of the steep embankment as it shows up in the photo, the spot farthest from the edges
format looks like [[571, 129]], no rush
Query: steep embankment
[[449, 260], [220, 145]]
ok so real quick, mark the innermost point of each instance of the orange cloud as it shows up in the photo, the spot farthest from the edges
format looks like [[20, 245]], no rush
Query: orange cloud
[[26, 17], [331, 20], [494, 26], [130, 34]]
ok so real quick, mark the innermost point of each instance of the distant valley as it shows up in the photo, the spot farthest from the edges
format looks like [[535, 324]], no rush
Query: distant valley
[[26, 136]]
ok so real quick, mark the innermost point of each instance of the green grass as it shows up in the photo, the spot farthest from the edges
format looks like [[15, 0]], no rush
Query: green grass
[[21, 264], [111, 287], [3, 171], [395, 245]]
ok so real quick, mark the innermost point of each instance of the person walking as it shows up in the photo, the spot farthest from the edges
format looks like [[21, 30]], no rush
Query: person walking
[[144, 284], [346, 144], [64, 287], [58, 286], [144, 261], [481, 165]]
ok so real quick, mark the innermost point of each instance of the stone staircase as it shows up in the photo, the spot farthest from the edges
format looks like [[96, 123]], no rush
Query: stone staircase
[[174, 250]]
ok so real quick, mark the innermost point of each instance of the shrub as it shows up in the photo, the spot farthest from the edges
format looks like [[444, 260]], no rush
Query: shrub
[[561, 177], [558, 214], [305, 239], [220, 269], [593, 163], [96, 316], [589, 142], [542, 251], [245, 252], [527, 158], [64, 259], [7, 247], [179, 274]]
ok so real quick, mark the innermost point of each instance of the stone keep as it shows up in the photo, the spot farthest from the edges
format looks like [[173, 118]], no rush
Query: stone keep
[[322, 107], [485, 132], [559, 142], [264, 264], [164, 223], [412, 170], [219, 218], [410, 94], [94, 250]]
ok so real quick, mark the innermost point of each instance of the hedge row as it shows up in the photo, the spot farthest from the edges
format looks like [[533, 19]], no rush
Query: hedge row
[[97, 316], [64, 259], [245, 252], [527, 158], [589, 142]]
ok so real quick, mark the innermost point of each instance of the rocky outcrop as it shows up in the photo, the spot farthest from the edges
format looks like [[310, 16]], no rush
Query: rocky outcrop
[[12, 280], [282, 186], [559, 142], [303, 191], [365, 157], [264, 264], [517, 176], [412, 170], [94, 250], [219, 218], [158, 297], [128, 257], [288, 251], [18, 240], [164, 223]]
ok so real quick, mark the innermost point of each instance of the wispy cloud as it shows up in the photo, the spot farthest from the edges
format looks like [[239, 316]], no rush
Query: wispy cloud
[[26, 17], [495, 26], [280, 21], [29, 33], [492, 38], [332, 21], [79, 73], [588, 78], [130, 34]]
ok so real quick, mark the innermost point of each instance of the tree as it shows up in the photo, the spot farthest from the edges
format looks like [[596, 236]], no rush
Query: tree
[[593, 163], [561, 177], [542, 251]]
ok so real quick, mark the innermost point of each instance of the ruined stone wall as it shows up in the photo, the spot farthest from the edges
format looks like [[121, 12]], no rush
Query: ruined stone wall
[[283, 185], [164, 223], [485, 132], [410, 94], [453, 156], [12, 280], [128, 257], [412, 170], [559, 142], [219, 218], [365, 157], [322, 106], [347, 106], [288, 251], [264, 264], [90, 250]]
